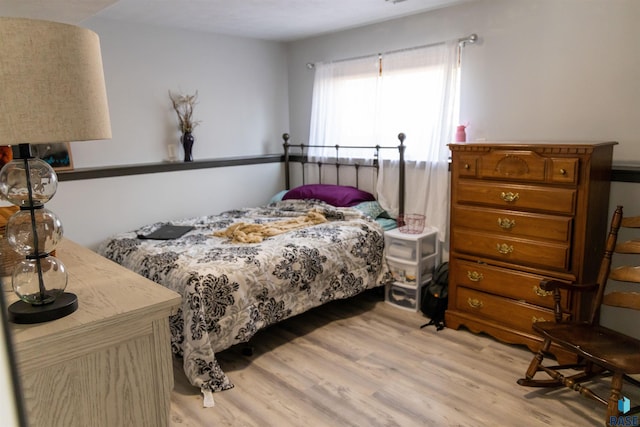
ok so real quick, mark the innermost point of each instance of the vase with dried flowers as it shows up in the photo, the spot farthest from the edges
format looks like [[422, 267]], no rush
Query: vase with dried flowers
[[183, 106]]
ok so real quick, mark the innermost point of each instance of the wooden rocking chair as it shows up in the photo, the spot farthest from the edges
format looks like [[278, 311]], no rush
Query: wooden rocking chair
[[600, 351]]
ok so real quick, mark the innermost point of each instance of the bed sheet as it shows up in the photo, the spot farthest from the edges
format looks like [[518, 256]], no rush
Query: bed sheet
[[232, 290]]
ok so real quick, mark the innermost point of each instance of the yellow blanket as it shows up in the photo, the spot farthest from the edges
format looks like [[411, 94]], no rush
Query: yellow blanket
[[241, 232]]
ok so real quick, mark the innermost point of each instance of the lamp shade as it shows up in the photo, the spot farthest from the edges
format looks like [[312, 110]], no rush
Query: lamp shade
[[52, 86]]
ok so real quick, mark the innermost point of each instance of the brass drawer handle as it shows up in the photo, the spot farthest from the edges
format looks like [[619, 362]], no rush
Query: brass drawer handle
[[509, 197], [467, 166], [535, 319], [506, 223], [504, 249], [541, 292], [563, 171], [474, 276], [474, 303]]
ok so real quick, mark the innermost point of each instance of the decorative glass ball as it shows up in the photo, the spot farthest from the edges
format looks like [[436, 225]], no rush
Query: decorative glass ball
[[14, 187], [26, 280], [20, 235]]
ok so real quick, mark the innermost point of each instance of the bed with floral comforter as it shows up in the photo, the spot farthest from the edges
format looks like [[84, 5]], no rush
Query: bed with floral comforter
[[231, 290]]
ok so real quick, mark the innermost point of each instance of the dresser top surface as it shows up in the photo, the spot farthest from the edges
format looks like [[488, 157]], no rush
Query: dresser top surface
[[532, 144], [106, 291]]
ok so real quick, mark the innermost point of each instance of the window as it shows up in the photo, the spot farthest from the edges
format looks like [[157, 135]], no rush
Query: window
[[368, 101]]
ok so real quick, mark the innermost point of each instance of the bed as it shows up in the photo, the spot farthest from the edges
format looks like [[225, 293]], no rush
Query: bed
[[243, 270]]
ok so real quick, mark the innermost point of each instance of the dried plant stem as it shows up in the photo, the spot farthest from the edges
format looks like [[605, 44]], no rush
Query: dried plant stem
[[183, 106]]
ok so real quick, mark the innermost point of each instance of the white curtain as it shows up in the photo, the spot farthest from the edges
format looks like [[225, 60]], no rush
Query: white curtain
[[419, 95], [367, 102], [344, 106]]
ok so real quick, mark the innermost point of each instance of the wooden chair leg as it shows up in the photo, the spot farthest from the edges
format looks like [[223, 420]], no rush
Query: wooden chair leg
[[616, 388], [534, 366]]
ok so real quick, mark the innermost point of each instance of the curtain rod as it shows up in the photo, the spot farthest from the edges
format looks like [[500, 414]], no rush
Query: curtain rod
[[471, 39]]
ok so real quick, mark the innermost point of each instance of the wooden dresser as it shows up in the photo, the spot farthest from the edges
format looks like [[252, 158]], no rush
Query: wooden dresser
[[521, 212], [107, 364]]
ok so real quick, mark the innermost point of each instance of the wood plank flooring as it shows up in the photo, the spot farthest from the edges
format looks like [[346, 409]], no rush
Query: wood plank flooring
[[362, 362]]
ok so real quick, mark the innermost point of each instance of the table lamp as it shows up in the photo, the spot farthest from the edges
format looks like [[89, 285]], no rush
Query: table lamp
[[52, 90]]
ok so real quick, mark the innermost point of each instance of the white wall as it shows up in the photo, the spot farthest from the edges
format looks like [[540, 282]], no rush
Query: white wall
[[91, 210], [542, 69], [242, 87]]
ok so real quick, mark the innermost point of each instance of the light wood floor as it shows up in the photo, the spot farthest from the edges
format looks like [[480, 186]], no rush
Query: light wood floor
[[362, 362]]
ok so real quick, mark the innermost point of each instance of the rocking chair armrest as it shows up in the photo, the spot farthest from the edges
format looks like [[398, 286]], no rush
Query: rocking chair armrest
[[552, 284], [555, 286]]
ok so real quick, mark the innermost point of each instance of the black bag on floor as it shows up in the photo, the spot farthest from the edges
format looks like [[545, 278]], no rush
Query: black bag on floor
[[435, 296]]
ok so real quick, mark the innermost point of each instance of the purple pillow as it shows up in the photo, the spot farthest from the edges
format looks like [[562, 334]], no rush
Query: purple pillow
[[336, 195]]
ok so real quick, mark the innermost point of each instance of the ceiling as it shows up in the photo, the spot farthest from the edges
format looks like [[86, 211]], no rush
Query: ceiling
[[278, 20]]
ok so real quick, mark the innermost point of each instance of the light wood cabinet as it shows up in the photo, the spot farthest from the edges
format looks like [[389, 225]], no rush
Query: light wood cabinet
[[521, 212], [107, 364]]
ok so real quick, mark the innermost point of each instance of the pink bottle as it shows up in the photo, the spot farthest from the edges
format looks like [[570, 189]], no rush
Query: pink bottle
[[461, 135]]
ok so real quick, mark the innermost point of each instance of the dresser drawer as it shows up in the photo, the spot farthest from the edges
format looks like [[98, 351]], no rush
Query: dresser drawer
[[521, 224], [506, 311], [466, 165], [514, 165], [535, 253], [564, 170], [501, 281], [518, 165], [517, 197]]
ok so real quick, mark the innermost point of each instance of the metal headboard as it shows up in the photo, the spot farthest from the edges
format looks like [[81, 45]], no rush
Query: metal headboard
[[338, 162]]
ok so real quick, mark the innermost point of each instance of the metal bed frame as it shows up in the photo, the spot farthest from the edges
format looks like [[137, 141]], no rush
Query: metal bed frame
[[302, 157]]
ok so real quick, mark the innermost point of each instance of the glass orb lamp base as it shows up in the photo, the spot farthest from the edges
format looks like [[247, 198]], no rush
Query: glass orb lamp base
[[64, 305]]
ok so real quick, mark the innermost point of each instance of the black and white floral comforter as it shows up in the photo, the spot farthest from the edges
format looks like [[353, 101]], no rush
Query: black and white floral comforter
[[232, 290]]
